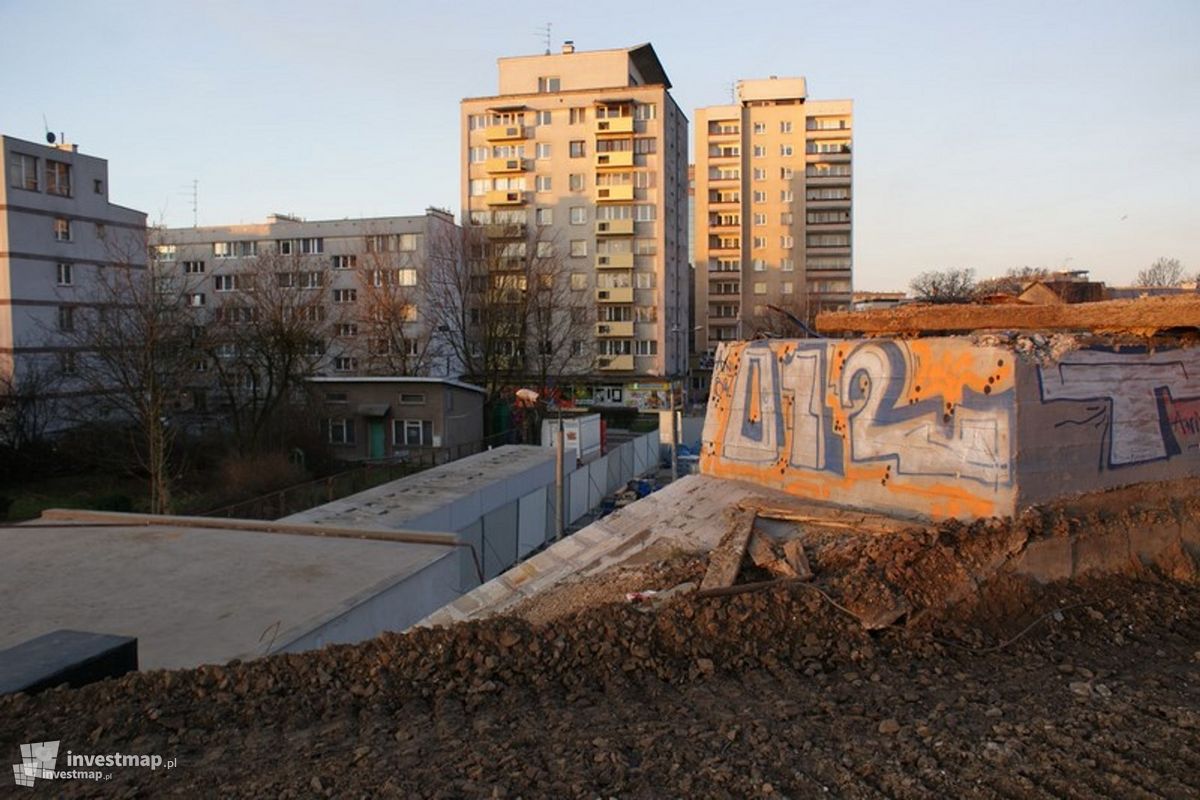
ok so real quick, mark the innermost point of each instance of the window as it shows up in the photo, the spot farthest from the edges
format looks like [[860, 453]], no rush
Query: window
[[285, 247], [760, 288], [412, 399], [644, 280], [58, 178], [645, 247], [760, 197], [578, 215], [787, 265], [412, 432], [787, 242], [645, 145], [477, 155], [644, 213], [760, 219], [647, 347], [66, 362], [545, 216], [542, 183], [578, 116], [644, 111], [348, 329], [196, 299], [22, 171], [543, 117], [312, 246], [345, 262], [760, 127], [785, 150], [760, 151], [785, 127], [341, 430], [579, 280], [406, 277], [223, 283], [308, 280], [62, 229], [787, 196], [575, 183], [785, 173], [345, 364], [66, 318], [345, 295], [578, 149], [165, 252], [760, 242], [760, 174], [786, 218], [543, 150], [65, 274], [548, 84], [760, 264], [545, 249], [787, 287], [193, 267], [578, 248]]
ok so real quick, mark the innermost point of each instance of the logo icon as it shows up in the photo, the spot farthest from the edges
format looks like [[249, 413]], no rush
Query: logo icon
[[37, 761]]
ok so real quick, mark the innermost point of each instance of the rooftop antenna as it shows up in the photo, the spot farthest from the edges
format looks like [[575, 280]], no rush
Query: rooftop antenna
[[49, 133], [194, 193], [543, 33], [732, 93]]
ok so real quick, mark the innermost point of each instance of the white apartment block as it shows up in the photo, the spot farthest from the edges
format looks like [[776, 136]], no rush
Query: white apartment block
[[585, 154], [57, 229], [772, 209]]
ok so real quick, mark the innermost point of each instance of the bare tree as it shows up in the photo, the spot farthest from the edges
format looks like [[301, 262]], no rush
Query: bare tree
[[28, 398], [1012, 282], [399, 337], [944, 286], [559, 317], [130, 350], [1163, 272], [266, 336]]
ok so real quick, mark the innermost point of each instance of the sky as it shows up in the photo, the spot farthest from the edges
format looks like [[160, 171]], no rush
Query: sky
[[988, 135]]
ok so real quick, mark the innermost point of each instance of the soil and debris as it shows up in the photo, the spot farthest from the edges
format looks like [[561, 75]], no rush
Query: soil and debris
[[983, 684]]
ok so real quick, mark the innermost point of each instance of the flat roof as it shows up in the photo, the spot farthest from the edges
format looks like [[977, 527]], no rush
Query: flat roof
[[191, 595], [397, 379], [397, 503]]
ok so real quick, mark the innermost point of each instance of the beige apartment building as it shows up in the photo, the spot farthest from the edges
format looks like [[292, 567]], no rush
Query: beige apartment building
[[772, 210], [367, 277], [57, 229], [583, 155]]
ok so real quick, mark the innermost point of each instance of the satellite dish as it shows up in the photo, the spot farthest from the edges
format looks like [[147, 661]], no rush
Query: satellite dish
[[50, 137]]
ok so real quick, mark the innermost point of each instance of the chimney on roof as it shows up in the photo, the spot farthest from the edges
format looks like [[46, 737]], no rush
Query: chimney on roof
[[568, 47]]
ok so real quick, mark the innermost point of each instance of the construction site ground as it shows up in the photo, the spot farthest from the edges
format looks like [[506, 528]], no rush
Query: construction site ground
[[982, 680]]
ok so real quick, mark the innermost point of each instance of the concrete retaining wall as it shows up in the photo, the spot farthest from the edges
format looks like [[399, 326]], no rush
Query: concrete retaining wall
[[943, 427]]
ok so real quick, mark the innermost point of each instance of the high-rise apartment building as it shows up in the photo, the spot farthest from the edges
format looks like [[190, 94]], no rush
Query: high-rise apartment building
[[583, 157], [57, 230], [773, 200]]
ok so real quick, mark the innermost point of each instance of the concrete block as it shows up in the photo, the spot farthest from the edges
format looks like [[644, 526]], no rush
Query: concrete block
[[75, 658]]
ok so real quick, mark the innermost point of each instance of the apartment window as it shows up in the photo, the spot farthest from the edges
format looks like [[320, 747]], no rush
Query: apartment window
[[785, 127], [66, 318], [577, 149], [760, 288], [760, 151], [308, 280], [345, 262], [223, 250], [341, 430], [165, 252], [23, 171], [760, 242], [578, 215], [285, 247], [58, 178], [786, 218], [62, 229], [575, 182], [312, 246], [542, 183], [579, 280], [347, 329], [645, 247], [223, 283], [477, 155], [760, 219], [644, 145], [406, 277], [785, 150], [760, 197], [548, 84], [66, 362], [545, 249], [785, 173], [644, 111], [760, 174], [787, 265], [193, 267], [543, 118], [66, 275], [787, 287], [196, 299], [345, 364], [787, 242], [545, 216], [543, 149], [578, 248], [644, 280], [578, 116], [647, 313], [345, 295], [412, 399], [646, 347], [787, 196], [829, 240], [412, 432], [644, 213], [760, 265]]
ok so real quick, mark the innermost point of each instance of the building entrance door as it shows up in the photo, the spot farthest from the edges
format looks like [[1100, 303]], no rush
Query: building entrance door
[[376, 439]]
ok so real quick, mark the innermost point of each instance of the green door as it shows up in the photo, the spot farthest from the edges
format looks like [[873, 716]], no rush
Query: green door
[[376, 440]]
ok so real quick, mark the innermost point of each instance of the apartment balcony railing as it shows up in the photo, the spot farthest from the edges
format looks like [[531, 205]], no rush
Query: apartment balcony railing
[[511, 230], [622, 294], [504, 165], [612, 194], [505, 198], [505, 133], [622, 159], [614, 227], [613, 125], [614, 261], [610, 329], [615, 362]]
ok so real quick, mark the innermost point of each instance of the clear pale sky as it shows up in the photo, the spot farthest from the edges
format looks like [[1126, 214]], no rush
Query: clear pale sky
[[988, 135]]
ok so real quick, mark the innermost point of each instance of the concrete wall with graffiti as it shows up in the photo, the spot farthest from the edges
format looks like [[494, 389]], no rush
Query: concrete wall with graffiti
[[1097, 419], [924, 427]]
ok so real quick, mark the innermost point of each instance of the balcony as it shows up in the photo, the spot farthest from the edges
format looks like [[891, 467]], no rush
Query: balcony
[[611, 194], [513, 230], [614, 227], [607, 329], [724, 222], [614, 261], [614, 125], [622, 294], [504, 165], [505, 133], [716, 153], [615, 362], [724, 245], [622, 160], [505, 198]]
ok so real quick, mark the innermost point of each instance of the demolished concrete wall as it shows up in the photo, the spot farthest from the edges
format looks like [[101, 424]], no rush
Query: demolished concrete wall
[[948, 427]]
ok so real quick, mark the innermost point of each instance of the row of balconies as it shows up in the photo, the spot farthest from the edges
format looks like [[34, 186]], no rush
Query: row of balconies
[[619, 126]]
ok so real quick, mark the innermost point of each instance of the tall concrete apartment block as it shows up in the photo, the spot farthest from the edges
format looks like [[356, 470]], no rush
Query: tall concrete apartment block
[[587, 151], [57, 228], [371, 273], [773, 199]]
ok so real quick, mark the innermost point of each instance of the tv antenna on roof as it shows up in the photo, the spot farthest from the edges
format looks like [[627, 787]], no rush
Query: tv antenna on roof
[[49, 133], [194, 194], [543, 33]]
